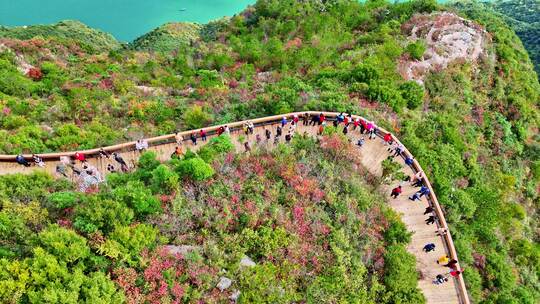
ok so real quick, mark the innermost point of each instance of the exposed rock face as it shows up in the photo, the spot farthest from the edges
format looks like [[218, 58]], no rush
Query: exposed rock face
[[247, 262], [448, 38], [224, 283], [183, 249]]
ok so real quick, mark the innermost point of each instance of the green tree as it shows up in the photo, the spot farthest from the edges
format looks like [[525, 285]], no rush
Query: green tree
[[195, 168], [412, 93], [196, 117]]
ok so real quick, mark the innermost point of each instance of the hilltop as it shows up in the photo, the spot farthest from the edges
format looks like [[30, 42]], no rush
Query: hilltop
[[168, 37], [68, 31], [453, 82]]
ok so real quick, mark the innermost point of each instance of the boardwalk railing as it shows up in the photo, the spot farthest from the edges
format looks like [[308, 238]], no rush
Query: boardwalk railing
[[258, 122]]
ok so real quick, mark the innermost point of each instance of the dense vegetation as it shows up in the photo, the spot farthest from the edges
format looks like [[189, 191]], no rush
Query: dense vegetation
[[69, 32], [524, 17], [313, 228], [472, 126]]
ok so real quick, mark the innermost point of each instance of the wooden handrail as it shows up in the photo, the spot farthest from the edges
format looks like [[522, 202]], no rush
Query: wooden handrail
[[449, 243]]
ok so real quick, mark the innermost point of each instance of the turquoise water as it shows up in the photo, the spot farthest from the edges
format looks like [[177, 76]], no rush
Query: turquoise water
[[125, 19]]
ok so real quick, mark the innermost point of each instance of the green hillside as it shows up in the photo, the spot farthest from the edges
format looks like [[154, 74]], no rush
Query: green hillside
[[524, 17], [65, 31], [470, 118], [168, 37]]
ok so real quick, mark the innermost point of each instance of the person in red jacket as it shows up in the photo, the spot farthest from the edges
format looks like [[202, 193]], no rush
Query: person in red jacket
[[396, 192], [388, 139], [80, 157], [356, 123], [363, 126], [321, 118], [456, 273], [202, 134]]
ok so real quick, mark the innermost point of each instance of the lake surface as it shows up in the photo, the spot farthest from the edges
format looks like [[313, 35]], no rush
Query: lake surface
[[125, 19]]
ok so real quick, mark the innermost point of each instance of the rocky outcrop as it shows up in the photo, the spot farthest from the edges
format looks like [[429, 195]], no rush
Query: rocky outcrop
[[448, 38]]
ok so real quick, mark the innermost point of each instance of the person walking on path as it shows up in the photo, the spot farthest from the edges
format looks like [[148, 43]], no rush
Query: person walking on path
[[415, 197], [104, 154], [455, 273], [429, 247], [283, 121], [315, 120], [398, 150], [356, 123], [268, 134], [202, 134], [61, 169], [320, 131], [220, 130], [372, 128], [193, 138], [295, 119], [335, 123], [305, 119], [388, 140], [227, 130], [418, 176], [428, 210], [360, 142], [292, 128], [141, 145], [177, 152], [247, 147], [121, 161], [288, 137], [38, 161], [322, 118], [340, 118], [80, 157], [440, 279], [431, 220], [424, 191], [279, 131], [441, 232], [409, 161], [452, 264], [346, 120], [363, 126], [345, 130], [179, 139], [258, 138], [443, 260], [419, 182], [396, 192]]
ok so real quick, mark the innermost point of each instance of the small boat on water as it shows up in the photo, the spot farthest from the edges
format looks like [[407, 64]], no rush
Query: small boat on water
[[183, 9]]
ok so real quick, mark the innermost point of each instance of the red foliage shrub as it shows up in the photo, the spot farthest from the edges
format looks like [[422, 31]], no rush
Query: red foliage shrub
[[35, 74]]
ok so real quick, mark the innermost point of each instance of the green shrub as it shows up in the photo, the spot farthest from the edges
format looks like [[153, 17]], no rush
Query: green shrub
[[63, 199], [216, 146], [195, 168], [164, 180], [412, 93], [195, 117], [137, 197], [401, 276], [101, 214], [416, 49]]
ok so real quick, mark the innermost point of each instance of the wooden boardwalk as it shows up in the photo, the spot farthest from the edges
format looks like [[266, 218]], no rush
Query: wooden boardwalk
[[372, 154]]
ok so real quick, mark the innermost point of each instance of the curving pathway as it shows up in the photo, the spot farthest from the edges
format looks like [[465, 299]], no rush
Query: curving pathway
[[372, 154]]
